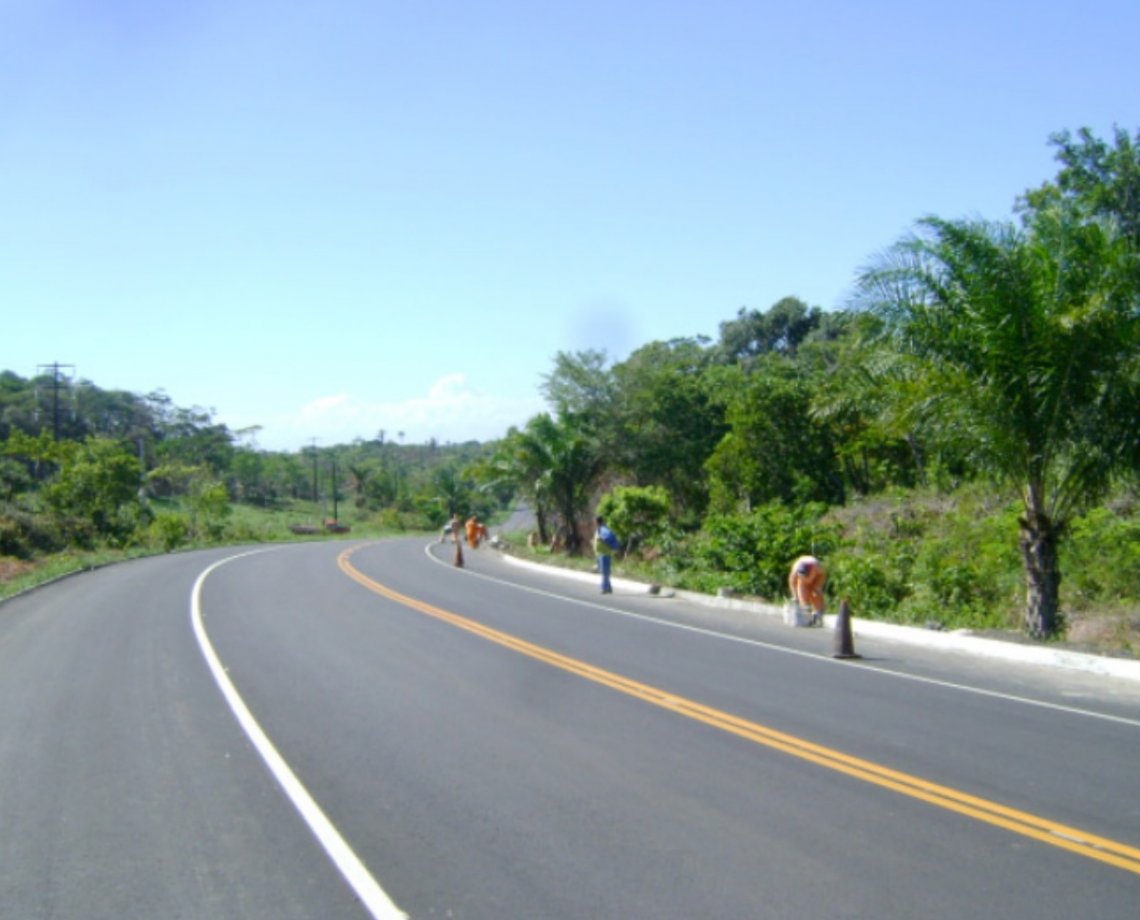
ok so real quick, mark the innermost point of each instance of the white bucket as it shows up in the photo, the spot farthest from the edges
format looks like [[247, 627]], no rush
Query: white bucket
[[795, 615]]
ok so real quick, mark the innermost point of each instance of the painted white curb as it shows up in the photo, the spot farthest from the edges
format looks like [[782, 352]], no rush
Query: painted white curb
[[1126, 668]]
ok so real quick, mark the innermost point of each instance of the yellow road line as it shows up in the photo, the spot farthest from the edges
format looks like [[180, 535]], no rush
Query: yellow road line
[[1073, 839]]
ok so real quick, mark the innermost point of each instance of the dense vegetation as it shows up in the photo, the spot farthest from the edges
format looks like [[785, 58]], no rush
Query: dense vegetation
[[960, 436]]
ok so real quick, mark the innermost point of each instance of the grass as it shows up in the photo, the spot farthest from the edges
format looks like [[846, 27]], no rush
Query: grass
[[244, 525], [956, 556], [17, 575], [951, 562]]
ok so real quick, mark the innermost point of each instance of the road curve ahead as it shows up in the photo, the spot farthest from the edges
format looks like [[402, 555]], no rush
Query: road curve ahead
[[333, 730]]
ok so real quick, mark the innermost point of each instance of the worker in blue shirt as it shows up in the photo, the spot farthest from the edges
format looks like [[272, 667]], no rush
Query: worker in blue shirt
[[604, 544]]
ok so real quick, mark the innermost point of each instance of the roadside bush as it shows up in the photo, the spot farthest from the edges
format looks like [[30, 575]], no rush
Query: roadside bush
[[24, 535], [638, 515], [14, 478], [244, 531], [936, 558], [391, 519], [872, 585], [168, 530], [1101, 558], [970, 572], [751, 553], [78, 533], [94, 494]]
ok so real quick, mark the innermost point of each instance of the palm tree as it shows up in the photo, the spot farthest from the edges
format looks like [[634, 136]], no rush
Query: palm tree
[[574, 464], [1025, 349], [520, 466], [555, 465], [850, 400], [358, 477], [452, 494]]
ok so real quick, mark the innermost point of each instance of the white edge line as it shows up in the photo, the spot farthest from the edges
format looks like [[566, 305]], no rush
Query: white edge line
[[813, 656], [374, 897]]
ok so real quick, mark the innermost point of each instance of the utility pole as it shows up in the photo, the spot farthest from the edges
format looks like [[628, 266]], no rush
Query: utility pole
[[56, 385], [316, 494]]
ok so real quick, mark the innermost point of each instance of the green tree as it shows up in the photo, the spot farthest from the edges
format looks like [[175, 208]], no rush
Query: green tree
[[639, 514], [520, 463], [875, 449], [752, 552], [208, 501], [581, 385], [41, 452], [1024, 347], [568, 462], [98, 482], [450, 494], [14, 478], [113, 414], [668, 421], [1102, 179], [774, 449], [288, 475], [250, 483], [780, 330], [18, 406], [359, 479], [190, 437]]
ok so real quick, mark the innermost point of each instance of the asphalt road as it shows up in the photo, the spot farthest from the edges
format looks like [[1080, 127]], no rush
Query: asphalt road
[[334, 730]]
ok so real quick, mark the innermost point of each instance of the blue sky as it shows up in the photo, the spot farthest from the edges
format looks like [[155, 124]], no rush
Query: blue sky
[[330, 219]]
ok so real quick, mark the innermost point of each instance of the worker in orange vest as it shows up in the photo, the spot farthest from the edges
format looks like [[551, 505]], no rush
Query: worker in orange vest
[[473, 531], [806, 582]]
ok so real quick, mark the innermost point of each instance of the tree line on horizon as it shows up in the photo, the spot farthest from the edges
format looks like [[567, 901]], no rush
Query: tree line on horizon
[[996, 354]]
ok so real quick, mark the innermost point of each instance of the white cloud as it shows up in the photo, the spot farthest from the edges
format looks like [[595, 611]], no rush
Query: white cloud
[[450, 411]]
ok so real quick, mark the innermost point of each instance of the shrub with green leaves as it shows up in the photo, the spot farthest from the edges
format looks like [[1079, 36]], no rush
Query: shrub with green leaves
[[752, 553], [24, 535], [872, 584], [637, 514], [1101, 559], [169, 530], [969, 573], [97, 483]]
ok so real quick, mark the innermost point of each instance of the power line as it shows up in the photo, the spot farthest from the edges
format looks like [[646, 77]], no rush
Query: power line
[[56, 385]]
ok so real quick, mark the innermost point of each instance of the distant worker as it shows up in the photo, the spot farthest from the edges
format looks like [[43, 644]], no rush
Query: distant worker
[[451, 529], [475, 530], [604, 544], [806, 582]]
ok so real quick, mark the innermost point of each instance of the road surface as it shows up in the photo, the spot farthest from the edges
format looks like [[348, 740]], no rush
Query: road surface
[[350, 729]]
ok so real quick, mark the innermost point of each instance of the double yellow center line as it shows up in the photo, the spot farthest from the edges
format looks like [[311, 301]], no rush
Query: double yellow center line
[[1073, 839]]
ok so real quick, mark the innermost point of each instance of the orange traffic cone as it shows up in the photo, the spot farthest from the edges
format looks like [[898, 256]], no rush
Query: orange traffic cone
[[844, 644]]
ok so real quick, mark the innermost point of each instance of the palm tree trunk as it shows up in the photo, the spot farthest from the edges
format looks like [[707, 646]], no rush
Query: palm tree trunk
[[1038, 542], [540, 521]]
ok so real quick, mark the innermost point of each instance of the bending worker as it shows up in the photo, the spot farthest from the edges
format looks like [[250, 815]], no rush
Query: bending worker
[[806, 582]]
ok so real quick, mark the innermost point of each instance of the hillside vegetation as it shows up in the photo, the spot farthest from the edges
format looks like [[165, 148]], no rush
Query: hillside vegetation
[[960, 445]]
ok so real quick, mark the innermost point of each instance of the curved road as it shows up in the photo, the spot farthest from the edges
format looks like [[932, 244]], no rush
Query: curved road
[[334, 730]]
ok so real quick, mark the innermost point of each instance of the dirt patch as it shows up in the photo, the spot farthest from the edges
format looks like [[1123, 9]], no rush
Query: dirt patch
[[1106, 635], [1112, 635], [13, 568]]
